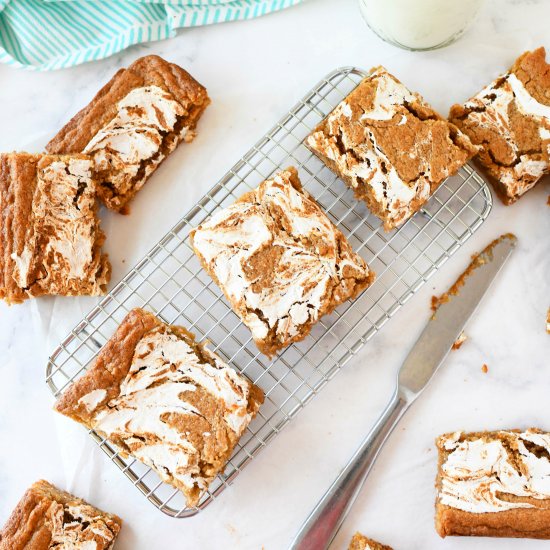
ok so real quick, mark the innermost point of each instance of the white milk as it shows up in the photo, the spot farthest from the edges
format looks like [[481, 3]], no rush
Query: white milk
[[419, 24]]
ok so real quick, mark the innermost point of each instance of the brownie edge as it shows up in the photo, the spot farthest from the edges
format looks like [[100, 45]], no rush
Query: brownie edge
[[491, 484], [133, 124], [47, 517], [510, 120]]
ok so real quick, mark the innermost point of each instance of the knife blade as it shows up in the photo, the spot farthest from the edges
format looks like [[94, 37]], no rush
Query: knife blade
[[430, 350], [450, 317]]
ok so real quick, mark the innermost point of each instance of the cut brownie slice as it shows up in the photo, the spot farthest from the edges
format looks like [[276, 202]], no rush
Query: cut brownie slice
[[279, 260], [389, 146], [360, 542], [166, 400], [47, 517], [133, 123], [50, 236], [494, 484], [510, 120]]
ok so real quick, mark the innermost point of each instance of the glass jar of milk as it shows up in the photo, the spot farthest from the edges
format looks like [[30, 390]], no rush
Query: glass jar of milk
[[419, 24]]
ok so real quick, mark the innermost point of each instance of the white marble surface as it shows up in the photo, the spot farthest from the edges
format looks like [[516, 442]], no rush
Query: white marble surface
[[254, 72]]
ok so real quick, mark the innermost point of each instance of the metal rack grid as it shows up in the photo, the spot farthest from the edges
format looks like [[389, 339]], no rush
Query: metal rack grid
[[169, 282]]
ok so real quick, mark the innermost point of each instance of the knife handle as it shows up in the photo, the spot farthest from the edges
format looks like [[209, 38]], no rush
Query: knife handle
[[326, 518]]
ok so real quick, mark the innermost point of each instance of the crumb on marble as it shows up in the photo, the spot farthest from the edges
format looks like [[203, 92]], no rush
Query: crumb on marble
[[232, 529], [459, 341], [484, 368]]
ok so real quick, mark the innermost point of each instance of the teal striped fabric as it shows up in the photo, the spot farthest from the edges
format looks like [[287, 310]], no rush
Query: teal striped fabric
[[53, 34]]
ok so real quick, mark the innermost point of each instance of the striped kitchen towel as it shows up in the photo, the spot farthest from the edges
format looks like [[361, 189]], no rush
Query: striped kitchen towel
[[53, 34]]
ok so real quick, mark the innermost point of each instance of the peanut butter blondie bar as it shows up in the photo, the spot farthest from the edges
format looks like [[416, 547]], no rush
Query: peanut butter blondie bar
[[166, 400], [50, 239], [494, 484], [279, 260], [360, 542], [510, 120], [134, 122], [389, 146], [47, 517]]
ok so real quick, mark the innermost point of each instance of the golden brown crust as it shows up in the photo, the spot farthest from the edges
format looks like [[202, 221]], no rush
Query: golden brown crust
[[208, 437], [533, 70], [110, 367], [17, 184], [150, 70], [531, 522], [30, 200], [513, 154], [32, 523], [293, 178], [145, 71], [360, 542]]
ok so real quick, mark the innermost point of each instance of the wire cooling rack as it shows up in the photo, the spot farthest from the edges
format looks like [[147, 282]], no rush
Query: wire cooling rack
[[170, 282]]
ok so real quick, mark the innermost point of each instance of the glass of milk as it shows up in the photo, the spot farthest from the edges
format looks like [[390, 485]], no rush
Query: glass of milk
[[419, 24]]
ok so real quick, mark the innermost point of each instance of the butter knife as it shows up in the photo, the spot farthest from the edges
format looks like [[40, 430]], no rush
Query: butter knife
[[422, 362]]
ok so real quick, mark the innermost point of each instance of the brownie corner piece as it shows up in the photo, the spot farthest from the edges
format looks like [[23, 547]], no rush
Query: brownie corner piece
[[389, 146], [51, 232], [494, 484], [509, 120], [360, 542], [134, 122], [166, 400], [47, 517], [279, 260]]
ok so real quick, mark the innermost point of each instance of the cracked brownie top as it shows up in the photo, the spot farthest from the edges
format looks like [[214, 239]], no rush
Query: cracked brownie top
[[389, 146], [166, 400], [133, 124], [279, 260], [47, 517], [494, 471], [52, 240], [510, 120]]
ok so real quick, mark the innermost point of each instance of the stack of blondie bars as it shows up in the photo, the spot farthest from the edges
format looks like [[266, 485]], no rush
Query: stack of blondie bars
[[51, 237]]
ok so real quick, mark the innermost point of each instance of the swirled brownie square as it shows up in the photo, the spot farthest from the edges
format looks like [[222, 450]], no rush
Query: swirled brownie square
[[279, 260], [166, 400], [50, 238], [510, 120], [134, 122], [389, 146], [494, 484], [47, 517], [360, 542]]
